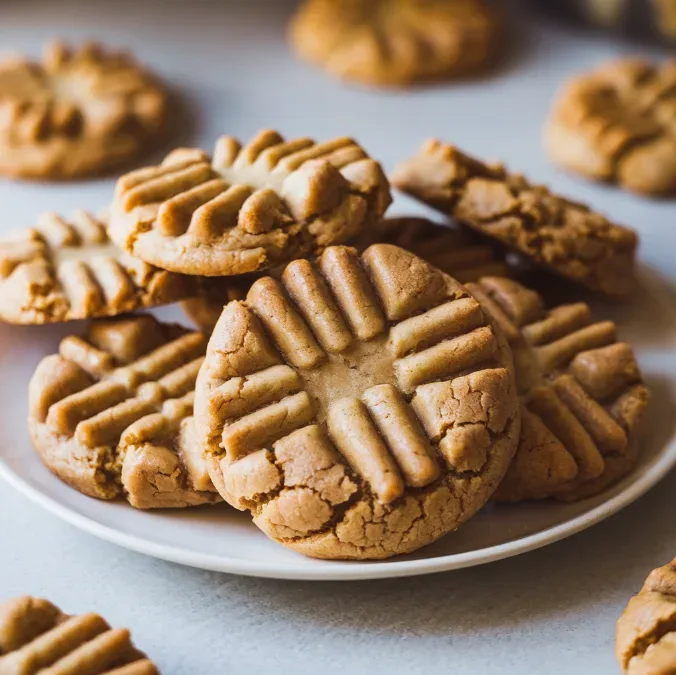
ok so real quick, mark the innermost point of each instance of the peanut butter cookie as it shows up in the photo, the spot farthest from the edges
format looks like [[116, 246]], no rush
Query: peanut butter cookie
[[397, 42], [111, 414], [582, 393], [247, 208], [553, 232], [618, 123], [64, 269], [37, 638], [645, 642], [361, 407], [78, 112]]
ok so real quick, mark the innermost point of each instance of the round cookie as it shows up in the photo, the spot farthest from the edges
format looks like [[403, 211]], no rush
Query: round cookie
[[549, 230], [397, 42], [645, 641], [65, 269], [582, 393], [111, 413], [78, 112], [361, 407], [618, 123], [247, 208], [37, 637]]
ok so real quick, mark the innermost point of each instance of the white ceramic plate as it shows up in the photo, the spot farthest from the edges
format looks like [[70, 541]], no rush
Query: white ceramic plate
[[221, 539]]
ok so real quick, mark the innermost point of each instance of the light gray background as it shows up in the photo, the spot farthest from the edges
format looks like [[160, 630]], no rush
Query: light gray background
[[551, 611]]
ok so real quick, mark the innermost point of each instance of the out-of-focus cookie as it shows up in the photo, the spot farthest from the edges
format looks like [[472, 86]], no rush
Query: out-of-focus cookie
[[457, 252], [247, 208], [64, 269], [111, 413], [37, 638], [397, 42], [645, 641], [77, 112], [582, 392], [553, 232], [618, 123], [361, 407]]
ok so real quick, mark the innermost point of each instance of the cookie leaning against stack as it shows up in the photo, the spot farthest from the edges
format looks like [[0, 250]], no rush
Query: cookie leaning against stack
[[361, 407], [551, 231]]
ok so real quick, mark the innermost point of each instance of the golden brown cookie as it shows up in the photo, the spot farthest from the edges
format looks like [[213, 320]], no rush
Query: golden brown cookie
[[64, 269], [37, 638], [582, 393], [645, 642], [457, 252], [111, 413], [397, 42], [247, 208], [618, 123], [78, 112], [553, 232], [361, 407]]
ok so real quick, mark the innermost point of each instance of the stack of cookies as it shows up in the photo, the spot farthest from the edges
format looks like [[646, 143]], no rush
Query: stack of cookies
[[362, 385]]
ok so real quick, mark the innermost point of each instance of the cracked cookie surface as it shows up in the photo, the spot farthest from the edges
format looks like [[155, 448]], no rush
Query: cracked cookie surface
[[582, 394], [64, 269], [553, 232], [645, 641], [111, 413], [77, 112], [618, 123], [360, 407], [247, 208], [37, 638], [397, 42]]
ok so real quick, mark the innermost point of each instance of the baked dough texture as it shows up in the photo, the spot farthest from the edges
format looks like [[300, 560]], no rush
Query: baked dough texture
[[361, 407], [37, 638], [553, 232], [64, 269], [645, 642], [582, 394], [618, 123], [397, 42], [78, 112], [111, 413], [247, 208]]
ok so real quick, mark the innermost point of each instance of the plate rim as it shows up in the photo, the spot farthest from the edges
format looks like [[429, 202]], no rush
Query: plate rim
[[626, 492]]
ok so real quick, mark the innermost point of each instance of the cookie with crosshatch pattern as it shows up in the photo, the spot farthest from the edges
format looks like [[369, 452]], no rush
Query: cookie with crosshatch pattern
[[111, 413], [64, 269], [361, 407], [77, 112], [582, 391], [36, 637], [247, 208]]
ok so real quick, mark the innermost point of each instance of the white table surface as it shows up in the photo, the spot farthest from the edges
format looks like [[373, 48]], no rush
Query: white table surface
[[551, 611]]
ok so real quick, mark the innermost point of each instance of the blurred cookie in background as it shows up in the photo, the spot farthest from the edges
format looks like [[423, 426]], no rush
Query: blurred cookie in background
[[618, 124], [397, 42], [79, 111]]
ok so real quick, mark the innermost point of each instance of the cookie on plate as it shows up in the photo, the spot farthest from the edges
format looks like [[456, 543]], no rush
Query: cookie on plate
[[582, 392], [645, 642], [79, 111], [361, 407], [618, 123], [397, 42], [111, 413], [64, 269], [460, 253], [36, 637], [551, 231], [247, 208]]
